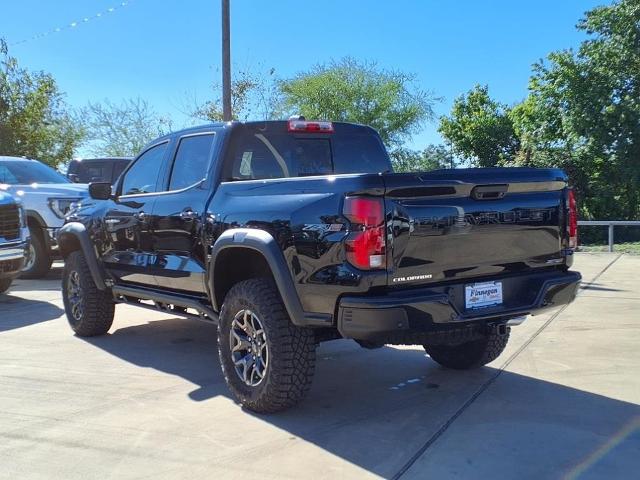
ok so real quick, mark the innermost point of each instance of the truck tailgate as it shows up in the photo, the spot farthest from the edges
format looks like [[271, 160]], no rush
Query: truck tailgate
[[466, 223]]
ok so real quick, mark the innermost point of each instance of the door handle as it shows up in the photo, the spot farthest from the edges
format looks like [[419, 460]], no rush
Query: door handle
[[188, 215]]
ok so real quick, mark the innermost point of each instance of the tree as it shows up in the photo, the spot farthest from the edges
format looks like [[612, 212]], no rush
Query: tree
[[480, 129], [583, 113], [433, 157], [123, 129], [360, 92], [254, 96], [34, 118]]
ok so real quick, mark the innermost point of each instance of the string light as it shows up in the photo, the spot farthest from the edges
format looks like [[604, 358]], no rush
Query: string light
[[74, 24]]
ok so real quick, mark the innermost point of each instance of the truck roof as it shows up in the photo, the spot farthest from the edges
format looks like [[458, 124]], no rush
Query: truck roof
[[16, 159], [97, 159], [209, 126]]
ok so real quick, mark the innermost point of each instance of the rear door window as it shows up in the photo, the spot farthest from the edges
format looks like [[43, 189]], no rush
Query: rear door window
[[191, 161]]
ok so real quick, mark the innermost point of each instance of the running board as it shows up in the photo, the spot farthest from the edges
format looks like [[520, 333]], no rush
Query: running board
[[164, 302]]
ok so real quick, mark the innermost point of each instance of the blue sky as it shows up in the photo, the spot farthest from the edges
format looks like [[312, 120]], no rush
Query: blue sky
[[166, 51]]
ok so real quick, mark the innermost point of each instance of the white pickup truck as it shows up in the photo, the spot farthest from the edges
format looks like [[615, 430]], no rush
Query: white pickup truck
[[47, 196]]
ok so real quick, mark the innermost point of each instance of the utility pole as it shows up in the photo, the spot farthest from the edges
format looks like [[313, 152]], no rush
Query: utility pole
[[226, 63]]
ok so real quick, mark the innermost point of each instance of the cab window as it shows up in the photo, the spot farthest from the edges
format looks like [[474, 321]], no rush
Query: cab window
[[142, 177], [191, 161]]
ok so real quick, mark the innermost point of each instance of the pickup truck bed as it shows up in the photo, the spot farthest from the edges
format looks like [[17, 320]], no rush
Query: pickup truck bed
[[286, 234]]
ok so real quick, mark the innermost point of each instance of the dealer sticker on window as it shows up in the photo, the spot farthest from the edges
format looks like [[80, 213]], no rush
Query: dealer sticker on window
[[483, 294]]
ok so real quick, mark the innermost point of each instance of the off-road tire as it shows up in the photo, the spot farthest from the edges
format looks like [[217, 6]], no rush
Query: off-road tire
[[291, 364], [42, 262], [5, 283], [97, 305], [469, 355]]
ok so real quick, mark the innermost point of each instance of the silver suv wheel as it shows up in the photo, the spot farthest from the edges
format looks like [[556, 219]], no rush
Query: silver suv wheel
[[30, 259]]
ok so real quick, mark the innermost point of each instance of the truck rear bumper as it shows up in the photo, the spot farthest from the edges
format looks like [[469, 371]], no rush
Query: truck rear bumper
[[440, 307]]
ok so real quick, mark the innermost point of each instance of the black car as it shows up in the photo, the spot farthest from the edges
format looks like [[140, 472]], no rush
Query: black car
[[89, 170], [287, 234]]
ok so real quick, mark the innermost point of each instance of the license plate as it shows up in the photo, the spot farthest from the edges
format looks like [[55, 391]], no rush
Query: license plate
[[483, 294]]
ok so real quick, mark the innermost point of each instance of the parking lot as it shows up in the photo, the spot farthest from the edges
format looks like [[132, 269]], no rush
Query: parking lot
[[149, 400]]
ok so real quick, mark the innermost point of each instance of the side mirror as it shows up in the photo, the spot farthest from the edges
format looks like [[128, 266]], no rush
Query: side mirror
[[100, 190]]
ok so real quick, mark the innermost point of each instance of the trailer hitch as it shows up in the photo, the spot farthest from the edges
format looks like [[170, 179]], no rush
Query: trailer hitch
[[500, 329]]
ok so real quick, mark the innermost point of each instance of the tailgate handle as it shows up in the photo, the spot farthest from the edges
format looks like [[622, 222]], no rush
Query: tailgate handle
[[489, 192]]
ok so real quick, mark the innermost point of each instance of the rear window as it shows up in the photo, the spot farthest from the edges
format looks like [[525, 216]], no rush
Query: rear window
[[91, 170], [118, 168], [97, 172], [256, 154]]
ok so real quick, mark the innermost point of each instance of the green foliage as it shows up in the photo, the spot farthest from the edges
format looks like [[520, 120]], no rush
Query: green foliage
[[632, 248], [360, 92], [254, 96], [121, 130], [433, 157], [34, 119], [480, 129], [583, 113]]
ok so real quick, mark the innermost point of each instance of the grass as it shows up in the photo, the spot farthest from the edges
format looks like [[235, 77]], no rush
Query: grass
[[628, 247]]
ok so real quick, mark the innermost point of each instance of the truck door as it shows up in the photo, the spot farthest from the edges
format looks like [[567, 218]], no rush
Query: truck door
[[178, 216], [130, 255]]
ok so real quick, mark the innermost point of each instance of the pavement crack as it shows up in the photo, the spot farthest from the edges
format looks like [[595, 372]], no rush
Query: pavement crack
[[434, 438]]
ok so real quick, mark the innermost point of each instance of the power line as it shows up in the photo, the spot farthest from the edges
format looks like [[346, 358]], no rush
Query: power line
[[74, 24]]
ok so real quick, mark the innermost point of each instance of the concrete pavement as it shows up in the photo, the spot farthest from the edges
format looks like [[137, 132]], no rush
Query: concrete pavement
[[148, 400]]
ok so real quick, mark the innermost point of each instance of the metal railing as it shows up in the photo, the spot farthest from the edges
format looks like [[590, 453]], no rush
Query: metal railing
[[611, 224]]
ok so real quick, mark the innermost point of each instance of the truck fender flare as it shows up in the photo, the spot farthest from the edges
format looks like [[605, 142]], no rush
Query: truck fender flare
[[37, 218], [262, 242], [73, 232]]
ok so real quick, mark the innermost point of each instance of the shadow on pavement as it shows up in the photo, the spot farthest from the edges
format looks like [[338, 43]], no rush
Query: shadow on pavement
[[16, 312], [376, 409], [51, 282], [185, 348]]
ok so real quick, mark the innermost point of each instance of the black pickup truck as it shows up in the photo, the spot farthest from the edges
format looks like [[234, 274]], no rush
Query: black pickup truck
[[289, 233]]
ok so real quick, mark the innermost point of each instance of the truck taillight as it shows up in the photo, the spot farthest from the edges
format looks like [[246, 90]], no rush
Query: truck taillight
[[303, 126], [365, 244], [572, 220]]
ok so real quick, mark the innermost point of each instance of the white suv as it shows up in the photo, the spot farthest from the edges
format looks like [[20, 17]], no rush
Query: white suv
[[47, 197]]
